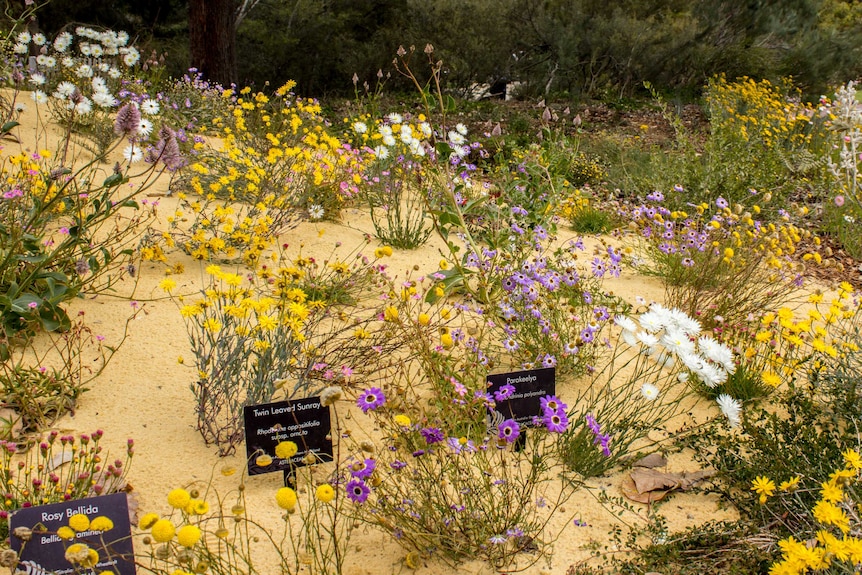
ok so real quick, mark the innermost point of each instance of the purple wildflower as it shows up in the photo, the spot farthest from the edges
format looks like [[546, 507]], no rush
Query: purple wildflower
[[357, 490], [432, 435], [504, 393], [371, 399], [509, 430], [363, 469]]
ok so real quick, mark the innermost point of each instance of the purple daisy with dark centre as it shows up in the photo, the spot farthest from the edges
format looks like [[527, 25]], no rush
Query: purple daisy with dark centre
[[357, 490], [509, 430], [371, 399], [504, 393], [556, 422]]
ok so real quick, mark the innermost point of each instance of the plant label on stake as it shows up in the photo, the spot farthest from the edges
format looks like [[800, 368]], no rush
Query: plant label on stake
[[45, 552], [305, 422], [521, 401]]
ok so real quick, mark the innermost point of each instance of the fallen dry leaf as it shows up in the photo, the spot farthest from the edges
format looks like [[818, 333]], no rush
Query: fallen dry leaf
[[651, 460], [646, 485]]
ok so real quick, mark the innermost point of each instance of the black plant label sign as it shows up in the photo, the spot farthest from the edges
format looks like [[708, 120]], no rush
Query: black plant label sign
[[305, 422], [522, 403], [46, 552]]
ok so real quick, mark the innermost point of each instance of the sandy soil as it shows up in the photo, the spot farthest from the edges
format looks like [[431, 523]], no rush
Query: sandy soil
[[144, 394]]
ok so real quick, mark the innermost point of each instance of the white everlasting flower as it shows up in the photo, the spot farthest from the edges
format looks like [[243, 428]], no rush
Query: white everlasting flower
[[385, 130], [99, 85], [416, 148], [382, 152], [665, 360], [692, 361], [39, 97], [64, 90], [682, 321], [626, 323], [20, 48], [84, 71], [360, 127], [425, 128], [122, 37], [85, 49], [406, 134], [104, 99], [84, 107], [389, 140], [647, 339], [455, 138], [629, 337], [68, 62], [131, 58], [150, 107], [711, 375], [651, 321], [37, 79], [114, 73], [649, 391], [677, 341], [461, 129], [315, 212], [717, 352], [62, 42], [24, 37], [731, 409], [395, 118], [133, 153], [96, 51], [39, 39]]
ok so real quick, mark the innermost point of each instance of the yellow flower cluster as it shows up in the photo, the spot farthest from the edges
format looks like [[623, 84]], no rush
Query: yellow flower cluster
[[759, 112], [273, 152], [836, 541]]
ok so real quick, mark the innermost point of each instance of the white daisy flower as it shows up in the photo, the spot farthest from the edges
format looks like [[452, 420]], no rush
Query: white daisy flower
[[99, 85], [20, 48], [96, 51], [649, 391], [629, 337], [416, 148], [145, 128], [385, 130], [425, 128], [24, 37], [461, 129], [692, 361], [68, 62], [150, 107], [122, 37], [133, 153], [20, 107], [39, 97], [85, 49], [114, 73], [37, 79], [389, 140], [395, 118], [39, 39], [406, 134], [131, 58], [731, 409], [360, 127]]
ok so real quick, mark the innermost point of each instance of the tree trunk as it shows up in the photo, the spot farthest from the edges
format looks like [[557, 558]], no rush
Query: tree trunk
[[212, 39]]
